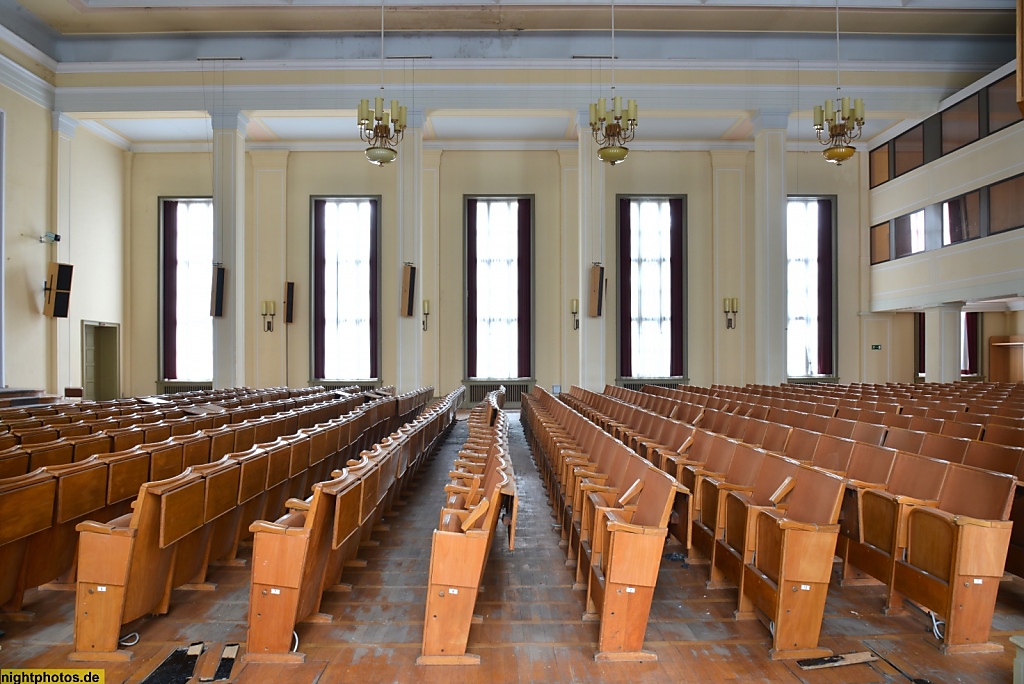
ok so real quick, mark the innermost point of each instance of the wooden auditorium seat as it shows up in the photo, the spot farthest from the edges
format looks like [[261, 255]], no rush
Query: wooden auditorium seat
[[787, 579]]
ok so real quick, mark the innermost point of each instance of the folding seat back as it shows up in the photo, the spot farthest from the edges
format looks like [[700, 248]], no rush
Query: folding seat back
[[801, 444], [904, 440], [944, 447], [833, 453], [869, 433], [995, 457]]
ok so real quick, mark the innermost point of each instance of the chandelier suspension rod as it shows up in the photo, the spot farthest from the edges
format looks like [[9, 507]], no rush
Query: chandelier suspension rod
[[613, 47], [382, 46], [837, 49]]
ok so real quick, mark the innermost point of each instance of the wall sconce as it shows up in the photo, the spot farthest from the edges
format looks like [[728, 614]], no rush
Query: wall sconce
[[574, 309], [731, 307], [426, 312], [267, 310]]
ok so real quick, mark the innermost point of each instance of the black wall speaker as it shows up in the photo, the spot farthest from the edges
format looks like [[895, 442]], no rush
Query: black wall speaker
[[217, 292], [58, 290], [408, 289], [596, 290], [289, 302]]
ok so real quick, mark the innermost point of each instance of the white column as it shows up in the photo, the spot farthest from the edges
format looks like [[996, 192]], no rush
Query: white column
[[431, 254], [229, 330], [729, 231], [126, 277], [270, 248], [63, 131], [572, 285], [594, 332], [942, 337], [769, 314], [409, 348], [3, 257]]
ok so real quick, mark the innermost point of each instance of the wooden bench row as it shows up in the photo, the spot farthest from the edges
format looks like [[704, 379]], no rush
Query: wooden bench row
[[977, 499], [615, 506], [39, 543], [179, 525], [301, 555], [481, 484]]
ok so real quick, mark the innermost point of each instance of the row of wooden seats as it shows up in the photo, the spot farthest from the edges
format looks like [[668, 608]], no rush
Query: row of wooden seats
[[178, 525], [48, 502], [58, 450], [998, 429], [481, 483], [63, 413], [976, 499], [301, 555], [617, 505]]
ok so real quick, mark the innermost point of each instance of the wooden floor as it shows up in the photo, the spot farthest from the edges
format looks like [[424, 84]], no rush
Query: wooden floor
[[531, 630]]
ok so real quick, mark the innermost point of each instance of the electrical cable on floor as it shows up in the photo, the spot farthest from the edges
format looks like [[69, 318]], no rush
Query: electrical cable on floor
[[937, 626], [915, 680], [295, 646], [129, 639]]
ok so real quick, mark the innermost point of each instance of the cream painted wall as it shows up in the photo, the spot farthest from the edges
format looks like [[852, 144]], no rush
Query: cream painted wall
[[26, 149], [338, 174], [153, 176], [95, 239], [500, 173], [670, 173]]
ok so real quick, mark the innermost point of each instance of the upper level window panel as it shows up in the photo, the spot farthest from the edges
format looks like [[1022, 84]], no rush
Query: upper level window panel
[[880, 250], [879, 163], [186, 272], [910, 234], [960, 124], [961, 218], [909, 150], [345, 298], [1002, 103], [652, 255], [1006, 205]]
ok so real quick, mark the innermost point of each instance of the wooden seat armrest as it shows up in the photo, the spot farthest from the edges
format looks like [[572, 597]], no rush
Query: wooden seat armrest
[[785, 523], [296, 505], [730, 487], [860, 484], [577, 461], [588, 474], [591, 487], [456, 489], [744, 498], [470, 466], [105, 528], [462, 475], [911, 501], [267, 526], [475, 515], [616, 523], [963, 520]]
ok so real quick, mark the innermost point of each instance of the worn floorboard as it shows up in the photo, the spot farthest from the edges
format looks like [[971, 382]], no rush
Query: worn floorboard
[[531, 631]]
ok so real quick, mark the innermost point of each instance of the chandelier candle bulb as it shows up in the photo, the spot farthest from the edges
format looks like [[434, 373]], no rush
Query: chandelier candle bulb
[[819, 116], [602, 109], [858, 109], [735, 305], [593, 114], [378, 108], [617, 106], [829, 113], [846, 108], [631, 110], [402, 112], [394, 110]]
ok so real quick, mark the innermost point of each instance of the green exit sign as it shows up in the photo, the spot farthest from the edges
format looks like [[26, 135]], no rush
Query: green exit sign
[[876, 347]]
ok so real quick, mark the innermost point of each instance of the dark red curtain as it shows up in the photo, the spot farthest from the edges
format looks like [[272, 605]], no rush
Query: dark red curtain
[[971, 323], [625, 303], [169, 211], [920, 342], [826, 320]]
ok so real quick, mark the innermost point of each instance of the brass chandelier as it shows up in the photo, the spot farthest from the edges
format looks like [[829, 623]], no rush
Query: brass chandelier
[[381, 129], [611, 133], [837, 124]]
